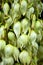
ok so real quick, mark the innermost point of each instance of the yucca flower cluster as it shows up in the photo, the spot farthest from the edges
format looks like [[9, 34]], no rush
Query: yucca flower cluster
[[21, 32]]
